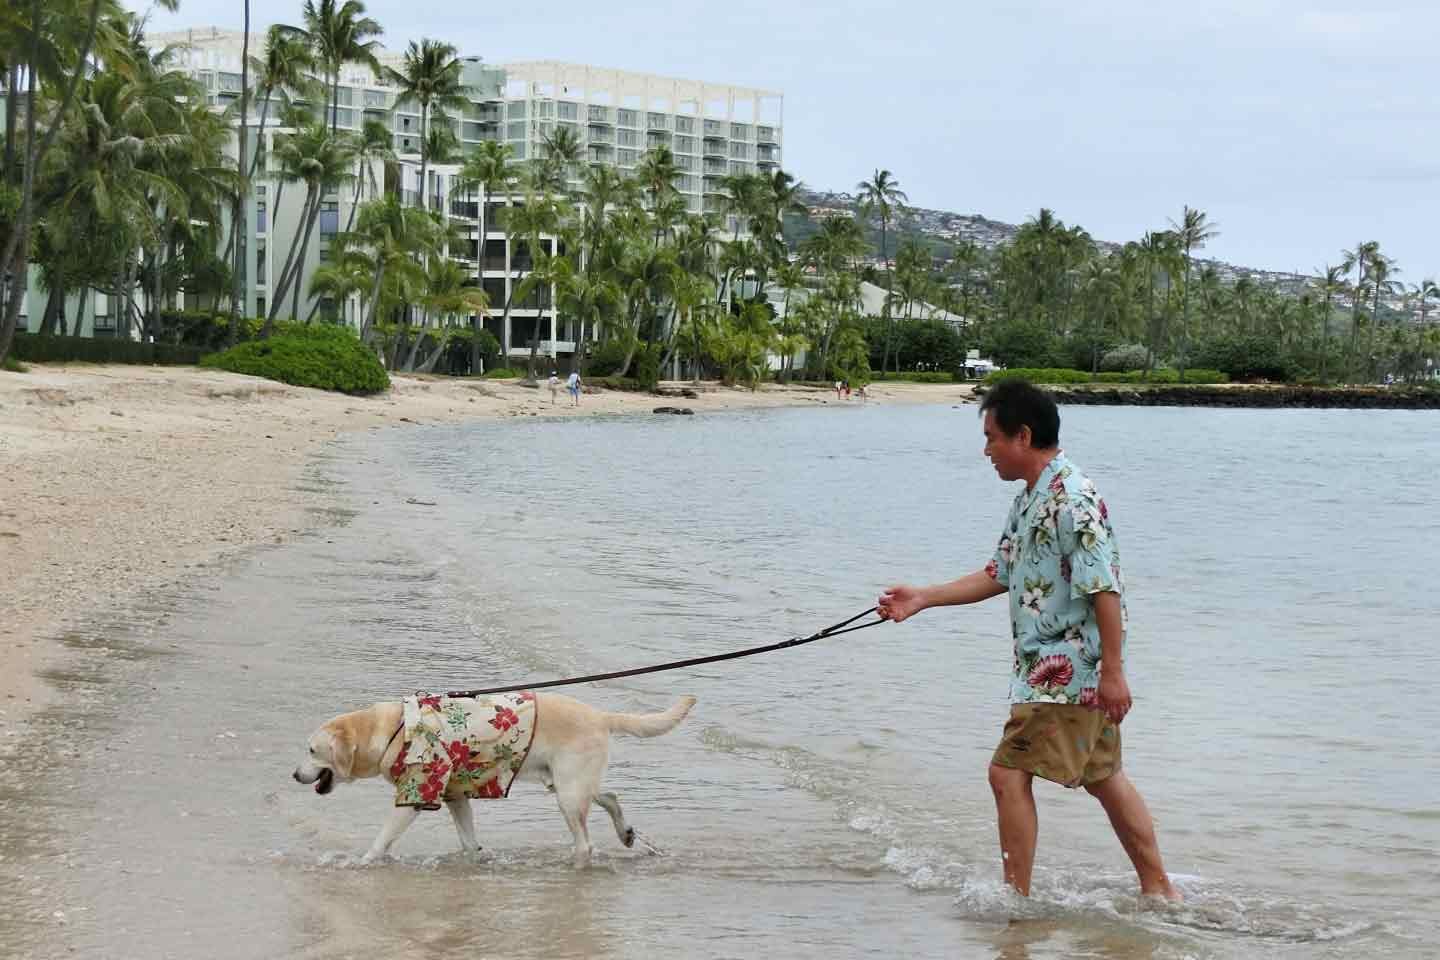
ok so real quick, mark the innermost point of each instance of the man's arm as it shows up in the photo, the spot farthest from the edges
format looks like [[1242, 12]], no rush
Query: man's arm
[[901, 602], [1114, 691]]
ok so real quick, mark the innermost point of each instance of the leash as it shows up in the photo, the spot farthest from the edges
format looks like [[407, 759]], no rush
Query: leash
[[834, 630]]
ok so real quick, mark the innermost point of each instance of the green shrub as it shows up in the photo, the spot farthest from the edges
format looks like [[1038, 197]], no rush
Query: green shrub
[[324, 356], [12, 365], [504, 373], [1060, 376], [916, 376], [1131, 356], [1245, 358], [48, 349], [1039, 375], [1165, 375], [607, 357]]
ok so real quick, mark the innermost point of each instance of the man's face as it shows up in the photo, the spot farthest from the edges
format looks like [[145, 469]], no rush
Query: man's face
[[1006, 453]]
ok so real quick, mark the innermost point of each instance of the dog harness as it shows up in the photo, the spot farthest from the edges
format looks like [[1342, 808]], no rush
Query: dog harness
[[454, 747]]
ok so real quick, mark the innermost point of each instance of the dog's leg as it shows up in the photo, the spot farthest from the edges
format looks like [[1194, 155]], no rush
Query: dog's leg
[[623, 830], [464, 817], [399, 822], [575, 807]]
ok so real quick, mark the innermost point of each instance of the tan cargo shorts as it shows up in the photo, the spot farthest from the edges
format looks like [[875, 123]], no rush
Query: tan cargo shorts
[[1068, 744]]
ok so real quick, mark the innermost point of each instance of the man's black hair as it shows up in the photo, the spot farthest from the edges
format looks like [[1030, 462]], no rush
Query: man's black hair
[[1019, 403]]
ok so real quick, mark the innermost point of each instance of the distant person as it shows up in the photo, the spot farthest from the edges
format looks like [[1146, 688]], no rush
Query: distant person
[[847, 389], [862, 393], [1058, 561], [554, 387], [573, 385], [838, 385]]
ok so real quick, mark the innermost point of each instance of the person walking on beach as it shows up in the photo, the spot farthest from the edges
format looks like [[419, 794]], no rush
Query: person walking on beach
[[1058, 560], [573, 385], [554, 387], [837, 389]]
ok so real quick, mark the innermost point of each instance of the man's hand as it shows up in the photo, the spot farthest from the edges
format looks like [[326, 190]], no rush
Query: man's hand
[[900, 602], [1113, 694]]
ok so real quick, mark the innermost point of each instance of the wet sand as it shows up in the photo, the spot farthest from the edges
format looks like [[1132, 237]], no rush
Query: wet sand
[[120, 481]]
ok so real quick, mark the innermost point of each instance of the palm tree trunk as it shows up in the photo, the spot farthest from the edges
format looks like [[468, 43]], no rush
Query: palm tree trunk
[[374, 301], [242, 189], [1185, 323], [308, 214]]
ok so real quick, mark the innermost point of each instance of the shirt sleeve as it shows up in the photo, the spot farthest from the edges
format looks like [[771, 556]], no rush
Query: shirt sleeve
[[1087, 547], [999, 565]]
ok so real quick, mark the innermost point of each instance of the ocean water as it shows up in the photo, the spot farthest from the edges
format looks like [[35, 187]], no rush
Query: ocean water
[[827, 801]]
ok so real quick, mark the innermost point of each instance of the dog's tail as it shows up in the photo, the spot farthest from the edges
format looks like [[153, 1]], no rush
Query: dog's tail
[[649, 724]]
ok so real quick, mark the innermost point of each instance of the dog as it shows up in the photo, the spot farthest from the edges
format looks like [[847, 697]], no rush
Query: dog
[[568, 755]]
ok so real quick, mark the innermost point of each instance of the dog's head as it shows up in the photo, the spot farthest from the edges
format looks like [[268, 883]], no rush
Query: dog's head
[[330, 754]]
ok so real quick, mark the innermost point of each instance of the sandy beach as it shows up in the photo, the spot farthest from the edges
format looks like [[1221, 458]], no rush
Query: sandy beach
[[121, 480]]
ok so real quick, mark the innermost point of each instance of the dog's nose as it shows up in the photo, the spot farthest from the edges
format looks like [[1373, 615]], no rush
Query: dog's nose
[[296, 775]]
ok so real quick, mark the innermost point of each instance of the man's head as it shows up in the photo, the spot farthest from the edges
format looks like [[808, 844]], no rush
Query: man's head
[[1022, 428]]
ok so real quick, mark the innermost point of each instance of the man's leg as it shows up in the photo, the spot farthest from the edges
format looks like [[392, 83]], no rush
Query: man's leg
[[1131, 820], [1019, 824]]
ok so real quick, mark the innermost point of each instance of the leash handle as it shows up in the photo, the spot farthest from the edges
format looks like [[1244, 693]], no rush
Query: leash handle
[[834, 630]]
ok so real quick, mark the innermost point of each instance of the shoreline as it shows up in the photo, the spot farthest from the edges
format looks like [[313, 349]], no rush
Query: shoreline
[[1258, 396], [122, 481]]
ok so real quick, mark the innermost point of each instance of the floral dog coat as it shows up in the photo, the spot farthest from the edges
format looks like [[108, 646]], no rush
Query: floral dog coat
[[462, 747]]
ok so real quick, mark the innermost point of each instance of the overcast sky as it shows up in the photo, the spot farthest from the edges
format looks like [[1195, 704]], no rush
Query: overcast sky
[[1299, 126]]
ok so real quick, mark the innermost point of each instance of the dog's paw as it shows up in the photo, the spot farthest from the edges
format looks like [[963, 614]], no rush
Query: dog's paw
[[629, 838]]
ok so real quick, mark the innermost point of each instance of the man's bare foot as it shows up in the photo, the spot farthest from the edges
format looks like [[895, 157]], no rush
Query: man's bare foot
[[1166, 893]]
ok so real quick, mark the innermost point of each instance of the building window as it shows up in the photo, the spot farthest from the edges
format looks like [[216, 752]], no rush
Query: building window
[[569, 111], [230, 82], [375, 98], [684, 144], [515, 131], [658, 121], [545, 108], [262, 217], [259, 306], [629, 118], [626, 158], [629, 138], [689, 183], [329, 218], [684, 163], [684, 125], [260, 262], [599, 114], [739, 131], [740, 151], [515, 110]]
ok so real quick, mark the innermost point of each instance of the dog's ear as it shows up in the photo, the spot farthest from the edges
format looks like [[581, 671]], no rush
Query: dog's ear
[[342, 752]]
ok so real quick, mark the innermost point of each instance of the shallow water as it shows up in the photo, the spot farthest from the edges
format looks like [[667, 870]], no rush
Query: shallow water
[[822, 802]]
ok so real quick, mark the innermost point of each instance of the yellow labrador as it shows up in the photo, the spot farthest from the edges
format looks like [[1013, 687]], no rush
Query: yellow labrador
[[568, 755]]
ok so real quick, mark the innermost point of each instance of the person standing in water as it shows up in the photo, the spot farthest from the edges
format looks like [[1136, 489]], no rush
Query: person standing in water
[[1058, 561]]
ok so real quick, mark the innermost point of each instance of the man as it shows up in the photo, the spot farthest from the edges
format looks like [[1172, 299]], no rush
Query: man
[[554, 387], [1059, 562], [572, 383]]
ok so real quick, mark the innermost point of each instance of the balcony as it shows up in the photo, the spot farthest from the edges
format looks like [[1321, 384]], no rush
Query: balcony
[[766, 135], [716, 147], [547, 348], [600, 115], [465, 209]]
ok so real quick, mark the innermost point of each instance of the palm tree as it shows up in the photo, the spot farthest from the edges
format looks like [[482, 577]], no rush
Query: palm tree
[[1381, 270], [41, 61], [1359, 261], [563, 151], [537, 215], [1192, 232], [339, 34], [490, 169], [882, 194], [447, 291], [1332, 282], [431, 77], [322, 162], [387, 236]]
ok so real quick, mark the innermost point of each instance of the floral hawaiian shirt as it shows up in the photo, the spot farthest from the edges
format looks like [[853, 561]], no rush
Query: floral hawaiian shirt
[[1057, 550]]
